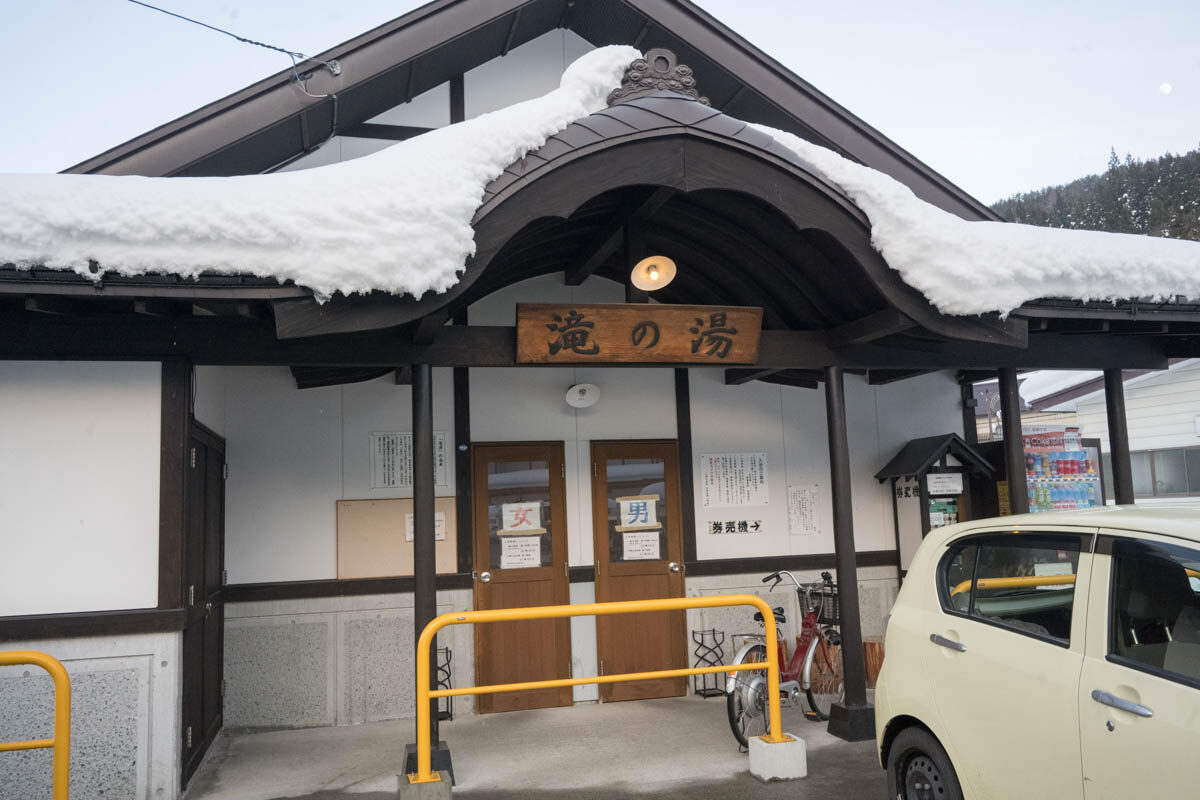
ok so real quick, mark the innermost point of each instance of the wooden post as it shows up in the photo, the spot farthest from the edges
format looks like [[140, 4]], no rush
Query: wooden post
[[852, 720], [424, 553], [1118, 437], [1014, 445]]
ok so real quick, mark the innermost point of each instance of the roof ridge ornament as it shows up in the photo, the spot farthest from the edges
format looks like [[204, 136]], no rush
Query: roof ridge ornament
[[657, 71]]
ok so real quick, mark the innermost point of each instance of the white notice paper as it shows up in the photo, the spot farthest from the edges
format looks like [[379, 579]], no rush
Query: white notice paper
[[520, 518], [943, 483], [439, 526], [517, 552], [803, 513], [1053, 568], [641, 546], [392, 459], [733, 479]]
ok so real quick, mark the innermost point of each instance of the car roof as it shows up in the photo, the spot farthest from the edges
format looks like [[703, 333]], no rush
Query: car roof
[[1182, 521]]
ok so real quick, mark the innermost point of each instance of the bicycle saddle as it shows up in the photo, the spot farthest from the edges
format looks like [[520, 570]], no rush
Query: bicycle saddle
[[779, 617]]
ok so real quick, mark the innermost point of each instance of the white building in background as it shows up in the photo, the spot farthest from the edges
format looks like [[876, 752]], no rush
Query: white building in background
[[1162, 409]]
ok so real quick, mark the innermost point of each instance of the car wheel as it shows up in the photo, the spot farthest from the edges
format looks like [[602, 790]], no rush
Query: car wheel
[[919, 769]]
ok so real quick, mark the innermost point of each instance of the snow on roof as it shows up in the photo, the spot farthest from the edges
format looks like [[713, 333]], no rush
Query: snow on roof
[[1045, 382], [398, 220], [973, 267]]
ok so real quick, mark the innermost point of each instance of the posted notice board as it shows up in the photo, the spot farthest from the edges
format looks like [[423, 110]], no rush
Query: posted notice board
[[372, 541]]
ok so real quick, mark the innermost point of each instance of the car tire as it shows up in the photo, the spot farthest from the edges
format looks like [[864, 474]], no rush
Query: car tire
[[919, 769]]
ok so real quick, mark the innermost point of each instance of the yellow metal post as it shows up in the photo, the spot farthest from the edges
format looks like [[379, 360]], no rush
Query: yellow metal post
[[61, 743], [424, 773]]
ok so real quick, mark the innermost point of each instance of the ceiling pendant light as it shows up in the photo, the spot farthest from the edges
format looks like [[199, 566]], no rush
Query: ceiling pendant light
[[652, 273]]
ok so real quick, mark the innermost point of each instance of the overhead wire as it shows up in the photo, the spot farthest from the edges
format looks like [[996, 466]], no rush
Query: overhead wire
[[295, 55]]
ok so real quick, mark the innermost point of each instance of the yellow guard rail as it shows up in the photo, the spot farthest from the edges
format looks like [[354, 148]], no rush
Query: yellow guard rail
[[424, 774], [1029, 580], [61, 743]]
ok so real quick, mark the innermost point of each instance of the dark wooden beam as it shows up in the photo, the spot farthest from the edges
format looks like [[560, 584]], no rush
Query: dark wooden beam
[[512, 32], [52, 304], [635, 251], [882, 377], [869, 328], [374, 130], [683, 433], [404, 375], [239, 341], [606, 242], [1118, 436], [1014, 446], [736, 377], [852, 719], [427, 328], [458, 102], [174, 415], [424, 546], [796, 378]]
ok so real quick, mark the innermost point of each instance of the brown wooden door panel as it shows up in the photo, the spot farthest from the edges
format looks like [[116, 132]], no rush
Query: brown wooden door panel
[[637, 538], [509, 482]]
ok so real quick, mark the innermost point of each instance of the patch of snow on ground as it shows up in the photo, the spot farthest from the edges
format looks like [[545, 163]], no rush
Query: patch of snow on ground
[[398, 220], [973, 267]]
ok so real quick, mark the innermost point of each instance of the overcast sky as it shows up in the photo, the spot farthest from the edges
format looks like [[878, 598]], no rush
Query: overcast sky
[[998, 97]]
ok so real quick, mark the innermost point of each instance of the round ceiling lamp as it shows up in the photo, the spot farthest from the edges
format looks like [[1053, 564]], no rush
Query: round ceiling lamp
[[652, 273]]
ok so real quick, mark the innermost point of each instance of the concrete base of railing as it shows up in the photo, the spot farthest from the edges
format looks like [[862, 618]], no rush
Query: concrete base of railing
[[437, 790], [778, 761]]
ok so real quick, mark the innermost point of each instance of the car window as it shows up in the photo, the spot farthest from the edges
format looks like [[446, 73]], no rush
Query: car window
[[1022, 582], [1154, 614]]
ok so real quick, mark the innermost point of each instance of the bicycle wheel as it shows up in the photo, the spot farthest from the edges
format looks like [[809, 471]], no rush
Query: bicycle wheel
[[826, 684], [747, 703]]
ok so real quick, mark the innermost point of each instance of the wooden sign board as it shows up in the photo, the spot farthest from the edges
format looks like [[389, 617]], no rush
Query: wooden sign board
[[371, 540], [637, 333]]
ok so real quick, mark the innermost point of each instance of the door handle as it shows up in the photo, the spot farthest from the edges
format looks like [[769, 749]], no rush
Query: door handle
[[673, 566], [486, 577], [950, 643], [1120, 703], [207, 609]]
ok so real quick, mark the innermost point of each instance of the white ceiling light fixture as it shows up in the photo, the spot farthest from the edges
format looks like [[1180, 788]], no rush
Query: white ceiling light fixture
[[652, 273], [583, 395]]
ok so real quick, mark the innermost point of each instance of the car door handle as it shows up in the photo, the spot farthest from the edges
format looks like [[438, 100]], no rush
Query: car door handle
[[944, 642], [1109, 699]]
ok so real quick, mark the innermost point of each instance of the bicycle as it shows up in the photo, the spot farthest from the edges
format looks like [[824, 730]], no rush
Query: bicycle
[[814, 671]]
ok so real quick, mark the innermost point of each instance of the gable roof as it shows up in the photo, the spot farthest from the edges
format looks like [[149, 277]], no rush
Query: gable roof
[[271, 121], [919, 455]]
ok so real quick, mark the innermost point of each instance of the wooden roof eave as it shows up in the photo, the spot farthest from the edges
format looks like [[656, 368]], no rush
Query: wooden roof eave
[[271, 121]]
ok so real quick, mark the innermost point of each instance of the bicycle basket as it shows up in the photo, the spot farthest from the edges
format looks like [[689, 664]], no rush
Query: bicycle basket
[[831, 606]]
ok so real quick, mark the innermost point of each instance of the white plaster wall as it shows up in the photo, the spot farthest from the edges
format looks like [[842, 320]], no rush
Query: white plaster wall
[[208, 403], [294, 453], [125, 726], [789, 425], [528, 71], [79, 463]]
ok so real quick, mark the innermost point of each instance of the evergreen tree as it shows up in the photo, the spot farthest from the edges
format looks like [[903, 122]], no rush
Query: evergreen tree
[[1158, 197]]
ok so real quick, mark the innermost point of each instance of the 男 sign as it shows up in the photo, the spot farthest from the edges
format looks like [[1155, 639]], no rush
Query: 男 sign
[[637, 333]]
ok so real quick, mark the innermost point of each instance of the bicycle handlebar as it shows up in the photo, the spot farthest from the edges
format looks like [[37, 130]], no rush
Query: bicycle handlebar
[[774, 576]]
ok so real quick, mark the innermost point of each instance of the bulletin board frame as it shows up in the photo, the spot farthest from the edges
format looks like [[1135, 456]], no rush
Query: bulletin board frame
[[371, 541]]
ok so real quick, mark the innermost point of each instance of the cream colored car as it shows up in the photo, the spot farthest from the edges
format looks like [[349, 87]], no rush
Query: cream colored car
[[1051, 655]]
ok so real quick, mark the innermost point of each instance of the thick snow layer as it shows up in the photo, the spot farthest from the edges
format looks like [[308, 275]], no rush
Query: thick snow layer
[[398, 220], [972, 267], [1043, 383]]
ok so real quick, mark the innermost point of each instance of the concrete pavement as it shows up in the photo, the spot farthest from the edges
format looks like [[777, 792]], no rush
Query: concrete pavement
[[679, 747]]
